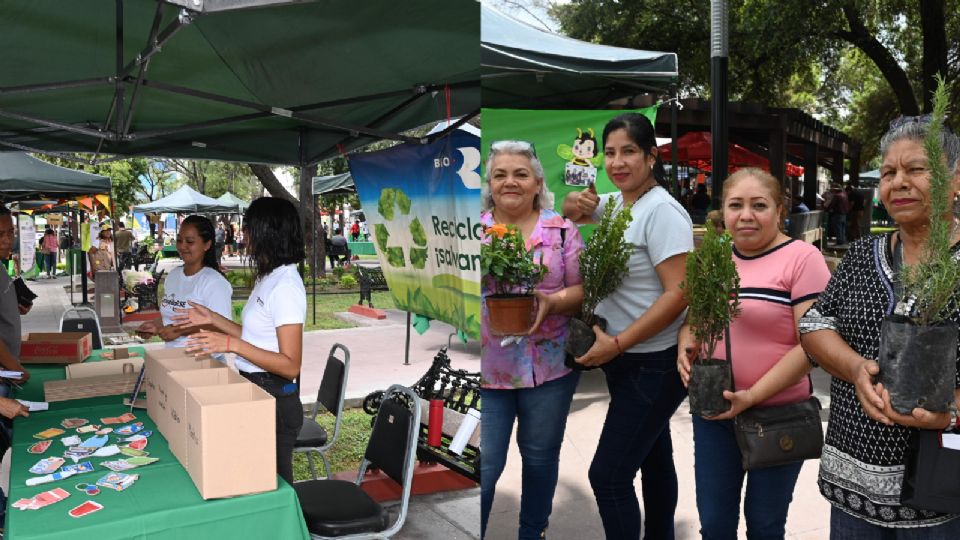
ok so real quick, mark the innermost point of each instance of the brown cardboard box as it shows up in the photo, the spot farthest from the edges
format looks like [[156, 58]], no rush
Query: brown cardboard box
[[231, 440], [180, 381], [106, 367], [56, 347], [91, 386], [159, 364]]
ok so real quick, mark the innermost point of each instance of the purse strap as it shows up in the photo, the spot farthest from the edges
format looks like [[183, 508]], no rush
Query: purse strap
[[726, 344]]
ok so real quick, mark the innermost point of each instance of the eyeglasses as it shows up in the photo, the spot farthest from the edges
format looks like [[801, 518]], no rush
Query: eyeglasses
[[513, 146]]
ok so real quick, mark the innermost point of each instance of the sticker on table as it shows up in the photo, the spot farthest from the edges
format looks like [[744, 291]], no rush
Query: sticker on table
[[129, 429], [133, 452], [48, 433], [104, 431], [87, 508], [125, 417], [89, 489], [141, 460], [117, 480], [47, 465], [40, 447], [70, 423], [73, 440], [77, 468], [77, 453], [138, 444], [89, 428], [42, 499], [107, 451], [94, 442], [119, 465]]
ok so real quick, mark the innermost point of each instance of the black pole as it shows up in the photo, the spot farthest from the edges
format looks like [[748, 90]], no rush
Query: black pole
[[406, 355], [83, 262], [719, 53], [673, 143], [313, 267]]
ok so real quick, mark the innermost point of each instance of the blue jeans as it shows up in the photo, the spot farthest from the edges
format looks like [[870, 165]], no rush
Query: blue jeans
[[719, 476], [838, 227], [844, 526], [645, 391], [541, 415]]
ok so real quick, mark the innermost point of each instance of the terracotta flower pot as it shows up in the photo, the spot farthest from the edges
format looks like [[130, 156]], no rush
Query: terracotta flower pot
[[510, 315], [918, 364], [708, 380], [579, 340]]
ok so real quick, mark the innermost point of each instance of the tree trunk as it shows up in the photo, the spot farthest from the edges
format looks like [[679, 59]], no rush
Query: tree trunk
[[307, 217], [934, 48], [896, 77], [271, 183]]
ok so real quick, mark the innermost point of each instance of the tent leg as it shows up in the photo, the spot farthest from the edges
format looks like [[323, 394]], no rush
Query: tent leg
[[406, 353], [673, 139], [313, 267]]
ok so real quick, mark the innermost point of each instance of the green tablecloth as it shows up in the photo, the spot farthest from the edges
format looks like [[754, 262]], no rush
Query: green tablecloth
[[361, 248], [40, 373], [163, 503], [169, 251]]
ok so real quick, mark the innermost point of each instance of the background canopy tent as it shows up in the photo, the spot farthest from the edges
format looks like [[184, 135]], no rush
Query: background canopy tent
[[238, 205], [185, 200], [525, 67], [337, 184], [273, 82], [695, 149], [24, 177]]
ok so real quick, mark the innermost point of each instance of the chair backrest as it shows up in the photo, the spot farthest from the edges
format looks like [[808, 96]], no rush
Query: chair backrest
[[85, 320], [334, 382], [393, 442]]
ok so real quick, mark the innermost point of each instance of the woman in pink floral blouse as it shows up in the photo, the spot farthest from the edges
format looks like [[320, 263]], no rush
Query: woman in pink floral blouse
[[524, 378]]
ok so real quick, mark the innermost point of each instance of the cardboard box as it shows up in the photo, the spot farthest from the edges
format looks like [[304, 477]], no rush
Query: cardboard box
[[158, 385], [231, 440], [106, 367], [176, 391], [56, 347], [88, 387]]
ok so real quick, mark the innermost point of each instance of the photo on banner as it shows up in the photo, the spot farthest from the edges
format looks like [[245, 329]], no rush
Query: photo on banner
[[422, 207], [568, 144]]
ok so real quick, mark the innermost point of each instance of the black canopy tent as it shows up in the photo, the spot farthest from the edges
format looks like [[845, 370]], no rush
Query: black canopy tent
[[523, 67], [24, 177], [150, 78]]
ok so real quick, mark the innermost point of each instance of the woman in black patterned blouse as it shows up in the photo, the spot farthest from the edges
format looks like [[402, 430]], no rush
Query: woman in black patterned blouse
[[861, 470]]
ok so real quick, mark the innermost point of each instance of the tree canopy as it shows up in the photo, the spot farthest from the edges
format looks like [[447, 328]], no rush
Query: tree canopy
[[856, 64]]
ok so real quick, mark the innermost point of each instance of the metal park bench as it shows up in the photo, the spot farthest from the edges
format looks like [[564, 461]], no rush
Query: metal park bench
[[371, 279], [460, 391]]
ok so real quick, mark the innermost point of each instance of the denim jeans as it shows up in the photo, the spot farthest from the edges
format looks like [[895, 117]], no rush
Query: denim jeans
[[719, 476], [645, 391], [541, 415], [844, 526], [837, 227]]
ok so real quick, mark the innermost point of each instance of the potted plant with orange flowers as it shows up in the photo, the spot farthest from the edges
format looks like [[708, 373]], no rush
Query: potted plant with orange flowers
[[514, 272]]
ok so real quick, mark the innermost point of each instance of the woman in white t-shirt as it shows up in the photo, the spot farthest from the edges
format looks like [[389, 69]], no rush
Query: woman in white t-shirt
[[198, 280], [269, 342]]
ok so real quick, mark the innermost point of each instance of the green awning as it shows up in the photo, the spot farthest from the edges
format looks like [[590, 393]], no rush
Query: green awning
[[231, 200], [528, 68], [333, 185], [280, 84], [24, 177], [185, 200]]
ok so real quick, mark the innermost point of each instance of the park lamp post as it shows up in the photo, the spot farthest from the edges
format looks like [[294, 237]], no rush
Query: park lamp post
[[719, 53]]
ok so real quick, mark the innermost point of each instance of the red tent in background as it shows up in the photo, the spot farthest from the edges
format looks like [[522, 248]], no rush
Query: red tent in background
[[695, 149]]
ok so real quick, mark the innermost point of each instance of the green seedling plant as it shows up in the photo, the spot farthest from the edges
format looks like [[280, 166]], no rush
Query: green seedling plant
[[711, 287], [603, 261], [934, 280]]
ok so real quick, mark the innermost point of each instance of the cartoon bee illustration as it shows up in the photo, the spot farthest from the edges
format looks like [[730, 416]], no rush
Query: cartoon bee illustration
[[582, 157]]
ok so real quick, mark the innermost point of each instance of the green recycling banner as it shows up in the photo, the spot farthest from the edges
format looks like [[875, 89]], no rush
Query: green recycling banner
[[422, 204], [568, 144]]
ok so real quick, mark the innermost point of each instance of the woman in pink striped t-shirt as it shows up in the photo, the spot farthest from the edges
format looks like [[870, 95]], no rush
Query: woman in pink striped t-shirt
[[780, 278]]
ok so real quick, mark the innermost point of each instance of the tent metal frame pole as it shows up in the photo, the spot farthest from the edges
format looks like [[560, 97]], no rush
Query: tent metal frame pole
[[673, 143], [452, 127], [95, 133], [183, 18], [154, 28], [119, 88], [68, 157], [313, 267], [62, 85]]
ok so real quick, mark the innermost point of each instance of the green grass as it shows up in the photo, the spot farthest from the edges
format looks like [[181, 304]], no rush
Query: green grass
[[346, 452], [327, 305]]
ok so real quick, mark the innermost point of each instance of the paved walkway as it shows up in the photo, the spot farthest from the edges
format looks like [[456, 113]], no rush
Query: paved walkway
[[574, 509], [377, 361]]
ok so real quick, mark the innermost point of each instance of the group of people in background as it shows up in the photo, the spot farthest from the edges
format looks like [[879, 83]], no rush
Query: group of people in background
[[794, 316]]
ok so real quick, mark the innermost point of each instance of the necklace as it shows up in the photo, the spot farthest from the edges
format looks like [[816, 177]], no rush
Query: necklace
[[642, 193]]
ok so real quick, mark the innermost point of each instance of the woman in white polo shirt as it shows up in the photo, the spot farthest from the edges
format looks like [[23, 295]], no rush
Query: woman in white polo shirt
[[198, 280], [269, 342]]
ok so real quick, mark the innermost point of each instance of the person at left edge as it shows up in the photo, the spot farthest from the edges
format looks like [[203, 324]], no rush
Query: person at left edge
[[10, 309], [269, 341]]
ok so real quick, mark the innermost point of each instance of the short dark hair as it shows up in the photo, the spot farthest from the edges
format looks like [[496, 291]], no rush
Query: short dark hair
[[205, 229], [641, 132], [4, 211], [274, 235]]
